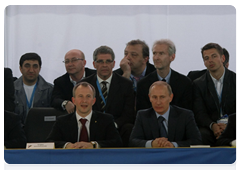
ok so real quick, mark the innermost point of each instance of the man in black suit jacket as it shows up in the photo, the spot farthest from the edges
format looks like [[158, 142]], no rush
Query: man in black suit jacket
[[120, 96], [179, 124], [14, 136], [99, 128], [163, 55], [214, 94], [135, 64], [62, 92], [9, 90], [228, 137]]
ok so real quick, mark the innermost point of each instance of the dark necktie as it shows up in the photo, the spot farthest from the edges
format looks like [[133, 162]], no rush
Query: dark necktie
[[163, 132], [163, 80], [104, 93], [83, 133]]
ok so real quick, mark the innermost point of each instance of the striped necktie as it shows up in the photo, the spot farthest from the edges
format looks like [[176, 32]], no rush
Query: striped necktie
[[104, 93]]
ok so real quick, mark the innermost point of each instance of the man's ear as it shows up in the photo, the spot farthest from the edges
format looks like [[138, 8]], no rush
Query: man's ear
[[73, 100]]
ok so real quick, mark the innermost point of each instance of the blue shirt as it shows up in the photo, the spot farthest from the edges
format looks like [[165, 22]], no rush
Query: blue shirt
[[134, 80], [167, 78]]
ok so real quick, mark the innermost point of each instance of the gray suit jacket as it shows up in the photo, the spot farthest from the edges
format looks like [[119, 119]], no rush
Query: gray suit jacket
[[182, 128], [42, 97]]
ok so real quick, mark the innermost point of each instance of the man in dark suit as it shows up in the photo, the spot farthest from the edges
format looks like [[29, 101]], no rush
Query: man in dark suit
[[195, 74], [135, 64], [164, 125], [14, 136], [62, 92], [214, 94], [114, 94], [85, 128], [228, 137], [163, 54], [9, 90]]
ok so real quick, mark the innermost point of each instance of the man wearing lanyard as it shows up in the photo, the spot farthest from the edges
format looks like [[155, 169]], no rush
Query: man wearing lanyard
[[114, 93], [214, 94], [31, 90]]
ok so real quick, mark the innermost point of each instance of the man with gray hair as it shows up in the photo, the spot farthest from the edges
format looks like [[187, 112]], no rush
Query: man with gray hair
[[114, 93], [163, 54]]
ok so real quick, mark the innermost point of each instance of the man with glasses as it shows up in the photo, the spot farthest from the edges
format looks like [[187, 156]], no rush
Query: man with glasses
[[75, 66], [114, 93], [31, 90]]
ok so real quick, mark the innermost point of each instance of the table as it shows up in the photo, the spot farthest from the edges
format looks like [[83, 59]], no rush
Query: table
[[123, 156]]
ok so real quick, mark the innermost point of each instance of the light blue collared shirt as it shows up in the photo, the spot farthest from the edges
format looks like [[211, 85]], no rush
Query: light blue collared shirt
[[167, 78], [165, 122]]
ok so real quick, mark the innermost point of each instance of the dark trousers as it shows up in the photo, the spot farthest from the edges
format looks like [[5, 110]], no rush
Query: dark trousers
[[125, 133], [208, 137]]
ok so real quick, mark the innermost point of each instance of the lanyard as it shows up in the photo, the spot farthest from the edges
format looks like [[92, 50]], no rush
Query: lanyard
[[100, 92], [31, 100]]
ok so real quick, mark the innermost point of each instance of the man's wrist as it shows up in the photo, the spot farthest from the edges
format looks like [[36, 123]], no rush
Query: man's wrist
[[64, 103]]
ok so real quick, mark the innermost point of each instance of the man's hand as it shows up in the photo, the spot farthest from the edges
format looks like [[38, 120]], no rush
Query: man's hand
[[162, 143], [222, 126], [79, 145], [125, 66], [216, 130], [70, 107]]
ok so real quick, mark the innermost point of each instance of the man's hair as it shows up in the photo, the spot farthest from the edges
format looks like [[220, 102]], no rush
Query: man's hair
[[84, 84], [103, 50], [226, 54], [161, 83], [169, 43], [145, 48], [212, 45], [30, 56]]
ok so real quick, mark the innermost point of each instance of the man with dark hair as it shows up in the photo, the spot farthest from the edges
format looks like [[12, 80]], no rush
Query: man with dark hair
[[163, 54], [31, 90], [86, 128], [196, 74], [135, 64], [214, 94], [164, 125], [75, 62], [114, 93]]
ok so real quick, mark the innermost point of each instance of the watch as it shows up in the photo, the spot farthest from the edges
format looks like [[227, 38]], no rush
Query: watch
[[65, 103], [94, 144]]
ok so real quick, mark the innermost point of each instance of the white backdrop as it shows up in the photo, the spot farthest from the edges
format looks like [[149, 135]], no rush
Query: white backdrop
[[51, 31]]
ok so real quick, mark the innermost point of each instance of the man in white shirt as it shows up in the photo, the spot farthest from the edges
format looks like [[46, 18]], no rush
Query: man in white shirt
[[85, 128]]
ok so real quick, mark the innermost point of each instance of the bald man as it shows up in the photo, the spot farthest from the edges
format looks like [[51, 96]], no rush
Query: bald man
[[75, 62]]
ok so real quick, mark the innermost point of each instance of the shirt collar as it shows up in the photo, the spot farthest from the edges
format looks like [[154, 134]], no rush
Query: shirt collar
[[165, 115], [74, 82], [142, 75], [108, 80], [88, 117], [220, 80], [167, 78]]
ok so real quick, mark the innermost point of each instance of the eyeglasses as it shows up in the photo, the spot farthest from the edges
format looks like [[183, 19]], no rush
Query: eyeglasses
[[73, 60], [102, 62]]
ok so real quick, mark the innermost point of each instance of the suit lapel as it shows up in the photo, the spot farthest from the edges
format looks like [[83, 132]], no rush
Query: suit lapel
[[114, 87], [225, 85], [73, 126], [153, 123], [172, 123], [97, 104], [173, 80], [93, 126]]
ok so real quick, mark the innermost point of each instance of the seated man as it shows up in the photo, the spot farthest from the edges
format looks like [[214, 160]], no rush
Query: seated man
[[31, 90], [164, 125], [114, 94], [228, 137], [85, 128], [214, 94], [75, 62], [14, 136]]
